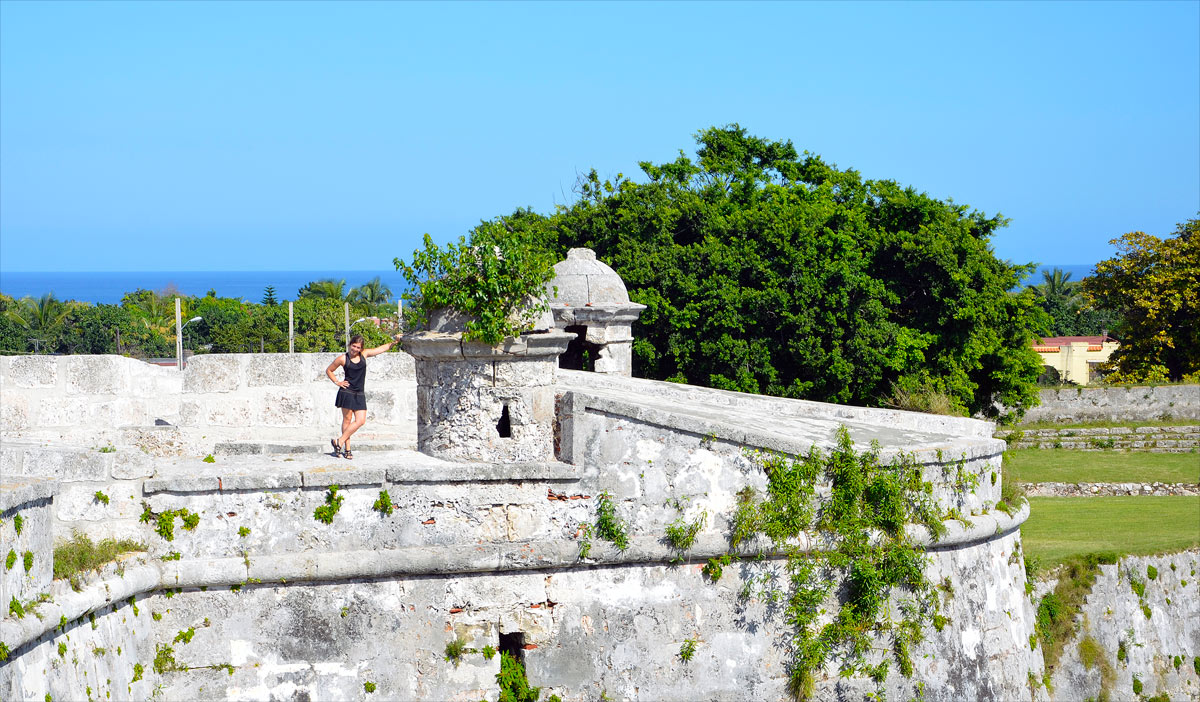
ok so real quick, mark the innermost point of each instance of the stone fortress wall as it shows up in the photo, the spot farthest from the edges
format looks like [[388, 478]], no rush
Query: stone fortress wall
[[474, 549], [257, 599]]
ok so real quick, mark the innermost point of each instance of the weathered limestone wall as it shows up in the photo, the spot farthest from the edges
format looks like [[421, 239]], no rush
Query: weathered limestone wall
[[298, 608], [99, 399], [25, 503], [1117, 404], [1113, 617]]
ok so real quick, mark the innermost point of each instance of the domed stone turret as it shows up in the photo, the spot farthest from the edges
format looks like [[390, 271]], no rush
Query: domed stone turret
[[589, 299]]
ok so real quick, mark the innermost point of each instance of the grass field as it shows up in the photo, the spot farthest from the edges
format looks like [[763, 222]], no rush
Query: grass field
[[1061, 527], [1067, 466]]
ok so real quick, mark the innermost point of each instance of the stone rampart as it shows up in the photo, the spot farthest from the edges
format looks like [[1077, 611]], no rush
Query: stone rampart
[[1117, 404], [99, 399], [258, 599], [1153, 636]]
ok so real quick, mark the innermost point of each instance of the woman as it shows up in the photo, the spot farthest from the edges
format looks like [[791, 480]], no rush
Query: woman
[[351, 397]]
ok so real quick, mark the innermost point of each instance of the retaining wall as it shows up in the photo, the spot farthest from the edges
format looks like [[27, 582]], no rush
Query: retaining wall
[[1156, 631], [1117, 404]]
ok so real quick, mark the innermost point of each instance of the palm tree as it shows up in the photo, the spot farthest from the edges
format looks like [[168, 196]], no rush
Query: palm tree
[[42, 317], [157, 312], [1055, 285], [372, 293], [326, 288]]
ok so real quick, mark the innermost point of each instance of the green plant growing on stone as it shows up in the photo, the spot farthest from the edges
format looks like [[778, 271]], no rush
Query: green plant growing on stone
[[62, 623], [18, 523], [171, 556], [681, 535], [608, 525], [455, 649], [1146, 610], [185, 636], [585, 540], [100, 497], [688, 650], [4, 652], [514, 685], [80, 555], [383, 504], [866, 498], [62, 650], [107, 449], [1137, 685], [1122, 651], [137, 672], [1151, 573], [495, 280], [1196, 664], [27, 557], [369, 687], [715, 567], [164, 659], [333, 503], [10, 560], [209, 459], [243, 531], [15, 609], [489, 653]]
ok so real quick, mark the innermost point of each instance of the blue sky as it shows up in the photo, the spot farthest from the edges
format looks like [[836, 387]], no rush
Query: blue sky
[[310, 136]]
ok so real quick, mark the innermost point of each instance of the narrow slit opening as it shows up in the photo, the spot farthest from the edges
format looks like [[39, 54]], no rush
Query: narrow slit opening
[[504, 426]]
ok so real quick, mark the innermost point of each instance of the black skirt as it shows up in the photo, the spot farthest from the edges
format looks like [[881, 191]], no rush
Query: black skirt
[[348, 399]]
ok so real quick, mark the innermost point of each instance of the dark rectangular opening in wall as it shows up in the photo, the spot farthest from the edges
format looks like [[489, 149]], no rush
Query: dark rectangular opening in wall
[[504, 426], [581, 353], [514, 645]]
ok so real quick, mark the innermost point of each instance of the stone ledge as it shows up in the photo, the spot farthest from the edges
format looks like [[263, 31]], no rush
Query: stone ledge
[[16, 491], [423, 560], [448, 472], [1051, 489], [342, 476], [182, 483]]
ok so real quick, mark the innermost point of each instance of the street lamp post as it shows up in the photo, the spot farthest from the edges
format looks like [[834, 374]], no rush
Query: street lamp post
[[181, 346]]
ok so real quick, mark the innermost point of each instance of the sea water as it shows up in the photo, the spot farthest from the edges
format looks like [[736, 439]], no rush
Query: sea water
[[109, 287]]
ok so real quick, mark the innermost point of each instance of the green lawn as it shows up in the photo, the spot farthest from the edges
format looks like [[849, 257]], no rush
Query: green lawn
[[1060, 527], [1067, 466]]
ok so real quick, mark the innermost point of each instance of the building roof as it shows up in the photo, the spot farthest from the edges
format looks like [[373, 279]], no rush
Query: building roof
[[1068, 340]]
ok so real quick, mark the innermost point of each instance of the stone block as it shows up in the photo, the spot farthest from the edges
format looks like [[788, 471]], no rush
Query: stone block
[[233, 412], [131, 464], [97, 375], [274, 370], [342, 476], [286, 408], [79, 502], [52, 411], [213, 373], [260, 481], [33, 371], [14, 413], [67, 466]]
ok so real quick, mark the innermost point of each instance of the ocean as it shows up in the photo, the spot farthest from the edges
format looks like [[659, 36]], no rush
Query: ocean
[[109, 287]]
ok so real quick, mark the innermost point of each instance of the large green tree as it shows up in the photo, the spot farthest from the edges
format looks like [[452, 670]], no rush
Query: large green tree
[[1155, 285], [765, 270], [1068, 313]]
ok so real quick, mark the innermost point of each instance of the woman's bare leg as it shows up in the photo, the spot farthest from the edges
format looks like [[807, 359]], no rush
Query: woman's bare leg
[[356, 419]]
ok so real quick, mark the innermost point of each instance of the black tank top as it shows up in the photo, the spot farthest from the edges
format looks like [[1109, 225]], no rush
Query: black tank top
[[356, 373]]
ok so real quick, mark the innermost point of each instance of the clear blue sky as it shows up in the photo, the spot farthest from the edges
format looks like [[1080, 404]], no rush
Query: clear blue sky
[[308, 136]]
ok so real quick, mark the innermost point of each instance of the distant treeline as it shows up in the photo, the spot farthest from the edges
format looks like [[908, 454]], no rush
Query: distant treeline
[[143, 324]]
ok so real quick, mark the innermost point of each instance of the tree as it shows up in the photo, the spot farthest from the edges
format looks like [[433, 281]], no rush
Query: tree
[[371, 294], [324, 289], [269, 296], [1155, 286], [768, 271], [1068, 312], [40, 318]]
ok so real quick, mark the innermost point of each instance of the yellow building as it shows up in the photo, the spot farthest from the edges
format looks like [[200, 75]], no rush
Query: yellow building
[[1076, 358]]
